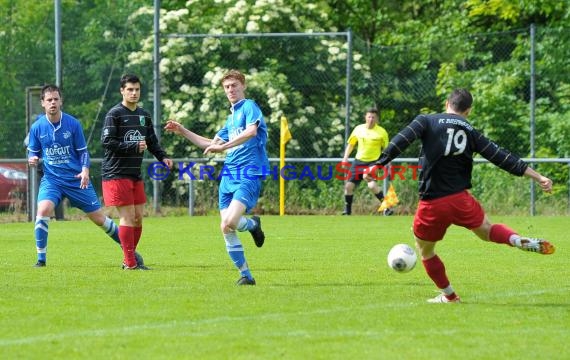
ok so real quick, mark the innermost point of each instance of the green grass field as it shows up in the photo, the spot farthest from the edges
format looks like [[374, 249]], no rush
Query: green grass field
[[324, 291]]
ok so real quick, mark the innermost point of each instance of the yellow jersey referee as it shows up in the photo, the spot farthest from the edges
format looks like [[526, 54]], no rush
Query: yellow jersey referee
[[369, 139]]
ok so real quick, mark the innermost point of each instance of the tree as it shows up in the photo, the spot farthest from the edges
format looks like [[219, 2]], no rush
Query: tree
[[26, 56]]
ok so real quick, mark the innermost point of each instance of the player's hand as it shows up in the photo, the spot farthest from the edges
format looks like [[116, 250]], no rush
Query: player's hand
[[366, 174], [168, 162], [545, 184], [142, 146], [174, 127], [84, 176], [33, 160], [214, 148]]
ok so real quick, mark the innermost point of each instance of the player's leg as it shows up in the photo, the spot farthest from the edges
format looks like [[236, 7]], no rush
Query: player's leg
[[87, 201], [230, 212], [106, 224], [430, 224], [49, 196], [139, 201], [248, 193], [127, 235], [230, 216], [45, 208], [375, 189], [472, 213], [502, 234], [112, 230], [349, 186], [372, 184], [120, 193], [435, 269]]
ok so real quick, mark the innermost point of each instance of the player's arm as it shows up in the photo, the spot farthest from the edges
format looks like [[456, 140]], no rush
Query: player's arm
[[498, 156], [154, 147], [85, 164], [249, 132], [508, 161], [399, 143], [177, 128], [34, 148], [111, 140], [544, 182], [347, 152], [403, 139]]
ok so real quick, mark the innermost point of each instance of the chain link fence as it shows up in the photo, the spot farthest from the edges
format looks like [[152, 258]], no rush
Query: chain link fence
[[521, 101]]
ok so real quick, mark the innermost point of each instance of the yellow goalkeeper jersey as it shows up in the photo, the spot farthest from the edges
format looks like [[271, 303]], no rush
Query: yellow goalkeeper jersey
[[370, 142]]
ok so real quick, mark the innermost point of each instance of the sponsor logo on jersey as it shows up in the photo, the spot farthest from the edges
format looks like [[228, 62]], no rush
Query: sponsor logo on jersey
[[57, 150], [57, 154], [133, 136]]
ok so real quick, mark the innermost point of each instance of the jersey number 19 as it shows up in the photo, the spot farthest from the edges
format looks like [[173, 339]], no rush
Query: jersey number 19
[[456, 138]]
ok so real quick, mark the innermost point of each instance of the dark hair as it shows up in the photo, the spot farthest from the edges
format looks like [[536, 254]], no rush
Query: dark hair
[[460, 100], [129, 78], [373, 110], [50, 88]]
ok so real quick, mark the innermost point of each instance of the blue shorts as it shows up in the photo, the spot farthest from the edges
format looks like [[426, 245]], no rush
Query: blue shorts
[[84, 199], [246, 191]]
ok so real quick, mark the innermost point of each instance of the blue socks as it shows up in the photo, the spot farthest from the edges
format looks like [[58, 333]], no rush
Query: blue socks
[[111, 229], [41, 234], [246, 224], [236, 253]]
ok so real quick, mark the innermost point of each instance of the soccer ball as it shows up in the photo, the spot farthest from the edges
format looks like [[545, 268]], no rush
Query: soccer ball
[[402, 258]]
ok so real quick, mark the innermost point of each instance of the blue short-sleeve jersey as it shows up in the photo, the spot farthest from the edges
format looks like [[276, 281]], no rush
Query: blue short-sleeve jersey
[[61, 146], [251, 156]]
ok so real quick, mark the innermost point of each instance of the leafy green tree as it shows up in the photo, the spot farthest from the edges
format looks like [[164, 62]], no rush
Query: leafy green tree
[[26, 45]]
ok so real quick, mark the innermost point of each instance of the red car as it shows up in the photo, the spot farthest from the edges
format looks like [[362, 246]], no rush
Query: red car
[[13, 185]]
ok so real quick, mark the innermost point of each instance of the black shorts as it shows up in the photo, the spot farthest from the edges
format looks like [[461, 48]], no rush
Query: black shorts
[[357, 169]]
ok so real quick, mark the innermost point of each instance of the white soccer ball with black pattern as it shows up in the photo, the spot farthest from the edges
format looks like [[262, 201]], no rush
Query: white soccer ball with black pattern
[[402, 258]]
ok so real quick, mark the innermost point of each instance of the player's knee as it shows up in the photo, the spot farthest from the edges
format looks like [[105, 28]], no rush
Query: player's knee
[[426, 249], [227, 227]]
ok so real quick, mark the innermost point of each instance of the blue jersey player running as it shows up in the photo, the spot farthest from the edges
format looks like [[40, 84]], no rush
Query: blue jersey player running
[[244, 137], [58, 138]]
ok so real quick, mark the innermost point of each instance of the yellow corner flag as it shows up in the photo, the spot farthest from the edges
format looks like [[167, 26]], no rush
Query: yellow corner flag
[[390, 199], [285, 133], [285, 137]]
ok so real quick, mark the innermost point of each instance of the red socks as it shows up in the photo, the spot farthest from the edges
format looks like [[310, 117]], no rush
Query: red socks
[[138, 233], [127, 236], [501, 234], [436, 271]]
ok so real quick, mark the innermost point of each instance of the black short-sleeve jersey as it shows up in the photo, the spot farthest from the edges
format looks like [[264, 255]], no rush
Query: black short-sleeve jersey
[[122, 131], [446, 159]]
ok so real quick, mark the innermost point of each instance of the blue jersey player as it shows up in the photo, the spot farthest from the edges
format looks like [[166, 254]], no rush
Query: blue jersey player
[[58, 139], [244, 138]]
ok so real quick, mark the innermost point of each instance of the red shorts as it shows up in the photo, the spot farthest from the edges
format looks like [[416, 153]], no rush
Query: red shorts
[[433, 217], [122, 192]]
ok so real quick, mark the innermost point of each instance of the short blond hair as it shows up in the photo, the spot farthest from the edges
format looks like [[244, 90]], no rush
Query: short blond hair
[[234, 74]]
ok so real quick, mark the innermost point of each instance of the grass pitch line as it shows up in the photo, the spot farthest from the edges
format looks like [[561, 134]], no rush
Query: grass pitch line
[[184, 323], [275, 316]]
